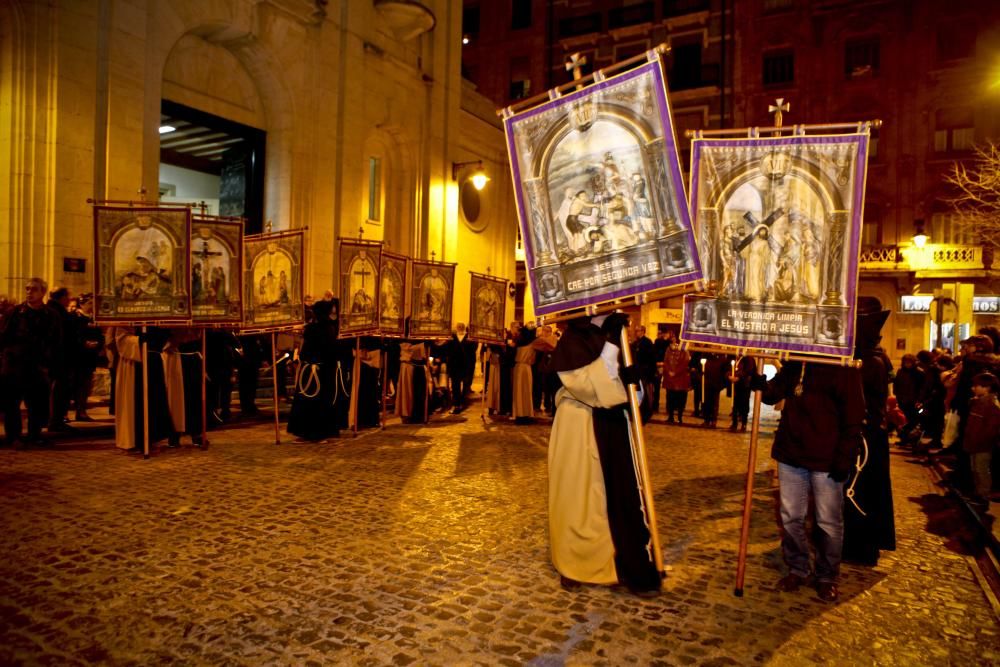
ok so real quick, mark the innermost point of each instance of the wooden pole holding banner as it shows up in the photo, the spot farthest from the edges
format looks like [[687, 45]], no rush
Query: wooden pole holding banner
[[145, 394], [204, 389], [741, 561], [274, 383], [383, 355], [639, 453], [355, 386]]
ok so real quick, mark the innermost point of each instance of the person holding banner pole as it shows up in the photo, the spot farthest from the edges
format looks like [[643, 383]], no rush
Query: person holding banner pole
[[598, 523], [818, 437]]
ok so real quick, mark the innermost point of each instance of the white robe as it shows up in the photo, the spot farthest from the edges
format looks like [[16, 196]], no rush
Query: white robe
[[579, 532]]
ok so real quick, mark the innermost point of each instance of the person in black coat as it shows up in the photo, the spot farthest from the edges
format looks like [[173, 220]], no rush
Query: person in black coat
[[816, 444], [460, 355], [317, 382]]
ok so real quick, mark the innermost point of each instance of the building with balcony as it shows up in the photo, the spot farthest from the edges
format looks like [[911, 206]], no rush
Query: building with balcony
[[929, 70]]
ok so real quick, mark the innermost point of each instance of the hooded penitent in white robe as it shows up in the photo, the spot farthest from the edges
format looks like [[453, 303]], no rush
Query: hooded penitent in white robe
[[580, 535]]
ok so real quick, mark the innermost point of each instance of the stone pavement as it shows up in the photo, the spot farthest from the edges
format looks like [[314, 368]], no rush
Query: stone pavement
[[428, 545]]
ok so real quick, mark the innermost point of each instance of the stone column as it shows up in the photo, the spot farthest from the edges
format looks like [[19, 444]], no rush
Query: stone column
[[660, 187], [539, 220], [836, 222], [708, 222]]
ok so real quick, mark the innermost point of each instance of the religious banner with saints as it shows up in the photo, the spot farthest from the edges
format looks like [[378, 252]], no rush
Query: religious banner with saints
[[432, 288], [599, 192], [272, 278], [141, 268], [216, 271], [486, 308], [393, 273], [779, 228], [359, 286]]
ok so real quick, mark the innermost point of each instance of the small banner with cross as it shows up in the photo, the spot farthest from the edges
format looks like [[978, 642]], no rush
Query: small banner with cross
[[360, 265], [216, 271], [779, 227], [600, 192], [487, 301], [273, 279], [433, 288]]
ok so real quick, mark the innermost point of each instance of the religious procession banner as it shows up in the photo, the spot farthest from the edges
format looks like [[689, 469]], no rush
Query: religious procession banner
[[393, 273], [486, 308], [432, 289], [359, 286], [273, 272], [779, 227], [216, 271], [141, 264], [599, 192]]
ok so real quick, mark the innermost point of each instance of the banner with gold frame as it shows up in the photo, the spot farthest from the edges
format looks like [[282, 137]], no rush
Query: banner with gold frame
[[141, 271], [432, 289], [600, 194], [216, 271], [779, 230], [392, 301], [487, 301], [360, 263], [273, 270]]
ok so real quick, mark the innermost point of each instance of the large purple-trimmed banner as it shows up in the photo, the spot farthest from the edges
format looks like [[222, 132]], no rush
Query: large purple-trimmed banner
[[599, 193], [779, 225]]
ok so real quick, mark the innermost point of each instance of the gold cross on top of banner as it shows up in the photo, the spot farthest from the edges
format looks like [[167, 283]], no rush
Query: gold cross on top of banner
[[575, 64], [361, 232], [267, 227], [433, 255], [779, 105]]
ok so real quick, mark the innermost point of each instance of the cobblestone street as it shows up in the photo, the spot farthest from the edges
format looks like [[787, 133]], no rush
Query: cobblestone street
[[428, 545]]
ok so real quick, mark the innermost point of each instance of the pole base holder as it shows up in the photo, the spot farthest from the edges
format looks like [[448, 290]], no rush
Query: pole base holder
[[738, 592]]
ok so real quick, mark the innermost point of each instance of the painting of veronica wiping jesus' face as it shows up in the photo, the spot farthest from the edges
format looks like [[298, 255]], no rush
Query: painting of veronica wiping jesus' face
[[141, 264]]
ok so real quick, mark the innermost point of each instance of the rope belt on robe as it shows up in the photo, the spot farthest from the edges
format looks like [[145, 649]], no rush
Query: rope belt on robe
[[859, 465]]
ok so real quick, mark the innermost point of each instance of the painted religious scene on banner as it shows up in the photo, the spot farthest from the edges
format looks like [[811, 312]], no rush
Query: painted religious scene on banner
[[433, 286], [392, 294], [272, 270], [216, 271], [141, 264], [600, 194], [359, 286], [779, 224], [486, 308]]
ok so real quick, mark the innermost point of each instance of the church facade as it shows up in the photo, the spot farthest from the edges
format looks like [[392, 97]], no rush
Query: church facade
[[362, 121]]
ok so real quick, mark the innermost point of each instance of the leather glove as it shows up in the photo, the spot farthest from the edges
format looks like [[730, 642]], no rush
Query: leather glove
[[840, 476], [612, 328], [630, 375]]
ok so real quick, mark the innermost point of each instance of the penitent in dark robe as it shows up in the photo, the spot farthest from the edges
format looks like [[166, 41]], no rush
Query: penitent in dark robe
[[370, 384], [319, 383], [597, 520], [866, 534]]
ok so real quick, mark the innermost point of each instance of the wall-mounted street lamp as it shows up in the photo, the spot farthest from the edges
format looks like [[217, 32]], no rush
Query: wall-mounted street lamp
[[919, 237], [479, 178]]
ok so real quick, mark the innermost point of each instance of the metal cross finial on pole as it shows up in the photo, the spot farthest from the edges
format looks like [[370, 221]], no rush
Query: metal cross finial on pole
[[779, 106], [267, 227], [142, 192], [361, 232], [575, 65], [433, 255], [489, 271]]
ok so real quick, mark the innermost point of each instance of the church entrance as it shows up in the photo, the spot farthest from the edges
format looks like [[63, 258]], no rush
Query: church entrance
[[206, 158]]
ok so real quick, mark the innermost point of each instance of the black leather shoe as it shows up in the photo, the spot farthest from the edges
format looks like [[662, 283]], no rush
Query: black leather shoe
[[827, 591], [790, 583]]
